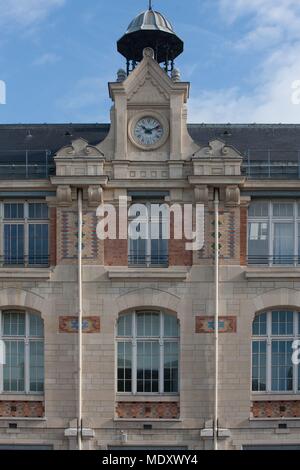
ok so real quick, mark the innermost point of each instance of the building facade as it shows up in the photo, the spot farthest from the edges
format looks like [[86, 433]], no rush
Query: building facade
[[148, 306]]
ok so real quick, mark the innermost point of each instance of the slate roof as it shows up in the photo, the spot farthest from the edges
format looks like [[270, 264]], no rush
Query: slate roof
[[282, 140]]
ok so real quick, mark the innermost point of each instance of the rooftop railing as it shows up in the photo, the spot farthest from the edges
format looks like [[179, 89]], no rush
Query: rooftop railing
[[26, 164], [271, 164]]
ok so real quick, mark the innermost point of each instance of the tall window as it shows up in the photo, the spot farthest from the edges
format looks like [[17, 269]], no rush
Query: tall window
[[272, 367], [274, 233], [148, 353], [152, 249], [25, 234], [23, 336]]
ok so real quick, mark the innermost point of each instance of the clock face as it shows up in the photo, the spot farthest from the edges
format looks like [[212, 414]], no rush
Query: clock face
[[148, 131]]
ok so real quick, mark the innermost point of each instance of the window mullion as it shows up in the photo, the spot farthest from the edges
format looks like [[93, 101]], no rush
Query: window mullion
[[26, 358], [1, 365], [161, 355], [271, 234], [26, 234], [269, 352], [134, 355], [295, 235], [295, 366]]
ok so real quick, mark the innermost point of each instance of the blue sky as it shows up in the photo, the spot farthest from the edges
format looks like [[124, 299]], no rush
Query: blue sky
[[241, 57]]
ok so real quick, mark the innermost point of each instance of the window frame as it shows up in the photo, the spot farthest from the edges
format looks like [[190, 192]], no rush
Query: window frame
[[27, 339], [268, 338], [26, 221], [271, 220], [148, 242], [133, 339]]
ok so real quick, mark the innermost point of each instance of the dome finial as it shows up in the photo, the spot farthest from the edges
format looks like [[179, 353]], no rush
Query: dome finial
[[150, 4]]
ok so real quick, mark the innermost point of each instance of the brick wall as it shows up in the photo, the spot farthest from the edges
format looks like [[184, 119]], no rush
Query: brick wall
[[53, 236], [178, 255], [276, 409], [243, 235]]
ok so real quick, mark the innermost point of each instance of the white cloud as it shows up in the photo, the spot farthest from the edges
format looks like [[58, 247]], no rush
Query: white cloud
[[26, 12], [48, 58], [274, 27]]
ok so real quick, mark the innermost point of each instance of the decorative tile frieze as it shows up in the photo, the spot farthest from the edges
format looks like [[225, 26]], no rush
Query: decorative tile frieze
[[22, 409], [69, 324], [148, 410], [276, 409], [207, 324]]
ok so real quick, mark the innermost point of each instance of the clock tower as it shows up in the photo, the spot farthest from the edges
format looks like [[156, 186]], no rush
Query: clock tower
[[148, 117]]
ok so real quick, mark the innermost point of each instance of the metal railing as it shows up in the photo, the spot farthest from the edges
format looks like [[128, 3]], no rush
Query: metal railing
[[150, 261], [26, 164], [271, 164], [274, 260], [22, 261]]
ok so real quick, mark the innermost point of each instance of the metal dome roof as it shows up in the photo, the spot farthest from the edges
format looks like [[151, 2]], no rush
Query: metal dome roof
[[150, 20], [150, 29]]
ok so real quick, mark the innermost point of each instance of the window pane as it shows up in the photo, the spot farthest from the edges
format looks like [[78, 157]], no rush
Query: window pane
[[148, 324], [137, 252], [259, 325], [14, 211], [36, 366], [124, 366], [259, 209], [258, 242], [282, 209], [282, 366], [13, 324], [38, 244], [283, 243], [148, 366], [259, 366], [13, 244], [125, 325], [170, 367], [14, 369], [38, 211], [36, 325], [282, 323], [171, 328]]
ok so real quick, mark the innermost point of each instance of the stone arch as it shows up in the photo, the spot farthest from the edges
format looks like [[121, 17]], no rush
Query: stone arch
[[148, 297], [18, 298], [283, 298]]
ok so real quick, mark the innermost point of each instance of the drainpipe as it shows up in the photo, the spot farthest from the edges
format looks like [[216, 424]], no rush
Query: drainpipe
[[216, 331], [79, 417]]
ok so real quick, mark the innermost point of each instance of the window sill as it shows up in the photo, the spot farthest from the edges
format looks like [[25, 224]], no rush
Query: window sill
[[144, 274], [147, 398], [275, 396], [25, 273], [21, 397], [268, 272]]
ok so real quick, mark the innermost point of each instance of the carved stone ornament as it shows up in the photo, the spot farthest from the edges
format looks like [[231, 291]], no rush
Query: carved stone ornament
[[232, 195], [217, 148], [201, 194], [64, 195], [95, 195], [148, 52], [79, 148]]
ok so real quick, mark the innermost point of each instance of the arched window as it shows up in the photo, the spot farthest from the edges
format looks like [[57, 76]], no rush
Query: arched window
[[273, 370], [148, 353], [23, 337]]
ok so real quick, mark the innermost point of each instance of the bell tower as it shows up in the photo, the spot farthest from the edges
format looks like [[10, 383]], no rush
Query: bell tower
[[150, 29], [148, 117]]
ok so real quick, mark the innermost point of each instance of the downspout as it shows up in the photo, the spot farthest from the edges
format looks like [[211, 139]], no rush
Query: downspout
[[216, 330], [79, 405]]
